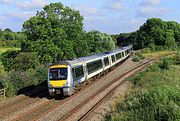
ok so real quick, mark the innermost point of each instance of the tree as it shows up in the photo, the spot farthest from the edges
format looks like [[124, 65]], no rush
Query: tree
[[100, 42], [170, 41], [58, 25], [7, 30]]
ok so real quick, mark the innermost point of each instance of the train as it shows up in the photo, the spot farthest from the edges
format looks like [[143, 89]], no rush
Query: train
[[65, 76]]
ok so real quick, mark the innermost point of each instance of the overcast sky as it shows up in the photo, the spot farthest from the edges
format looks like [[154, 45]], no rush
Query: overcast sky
[[110, 16]]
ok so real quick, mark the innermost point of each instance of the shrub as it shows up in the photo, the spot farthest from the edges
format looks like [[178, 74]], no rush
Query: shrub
[[19, 60], [25, 60], [159, 48], [177, 58], [10, 88], [146, 50], [158, 104], [17, 80], [8, 58], [164, 63], [41, 73], [138, 56]]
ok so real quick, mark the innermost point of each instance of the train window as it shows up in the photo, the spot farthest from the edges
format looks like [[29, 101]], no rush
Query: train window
[[123, 54], [78, 72], [106, 61], [113, 58], [94, 66], [58, 74], [126, 52], [118, 56]]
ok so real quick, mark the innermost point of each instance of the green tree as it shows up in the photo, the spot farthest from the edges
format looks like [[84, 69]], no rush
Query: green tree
[[25, 60], [170, 40], [100, 42], [58, 25]]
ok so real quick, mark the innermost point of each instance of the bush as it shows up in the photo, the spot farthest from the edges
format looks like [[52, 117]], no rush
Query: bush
[[177, 58], [158, 104], [19, 60], [146, 50], [164, 63], [8, 58], [10, 88], [156, 95], [17, 80], [159, 48], [25, 60], [41, 73], [138, 57]]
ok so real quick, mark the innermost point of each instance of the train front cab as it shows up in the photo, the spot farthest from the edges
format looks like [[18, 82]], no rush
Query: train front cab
[[59, 80]]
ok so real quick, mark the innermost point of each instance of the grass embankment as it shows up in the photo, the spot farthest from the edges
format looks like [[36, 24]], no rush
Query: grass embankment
[[155, 95], [158, 53]]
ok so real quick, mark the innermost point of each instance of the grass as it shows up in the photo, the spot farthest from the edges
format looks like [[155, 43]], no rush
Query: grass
[[155, 97], [158, 53], [4, 49]]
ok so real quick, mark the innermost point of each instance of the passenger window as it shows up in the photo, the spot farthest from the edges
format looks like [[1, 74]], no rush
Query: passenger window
[[94, 66], [106, 61], [78, 72], [113, 58]]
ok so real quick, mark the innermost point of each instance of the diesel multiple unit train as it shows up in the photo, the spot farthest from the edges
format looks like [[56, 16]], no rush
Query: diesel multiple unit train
[[64, 76]]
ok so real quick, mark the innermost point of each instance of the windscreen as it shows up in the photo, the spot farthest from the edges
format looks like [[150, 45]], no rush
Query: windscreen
[[58, 74]]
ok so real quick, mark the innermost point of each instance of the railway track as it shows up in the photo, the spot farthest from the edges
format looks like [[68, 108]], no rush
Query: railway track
[[85, 108], [17, 104]]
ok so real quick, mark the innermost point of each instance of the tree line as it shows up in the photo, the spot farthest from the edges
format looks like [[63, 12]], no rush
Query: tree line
[[8, 38], [155, 34]]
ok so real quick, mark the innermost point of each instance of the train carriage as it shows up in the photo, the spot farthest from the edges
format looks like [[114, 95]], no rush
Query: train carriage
[[64, 76]]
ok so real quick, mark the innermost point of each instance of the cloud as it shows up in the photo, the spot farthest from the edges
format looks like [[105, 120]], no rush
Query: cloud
[[32, 4], [151, 11], [2, 19], [7, 1], [19, 16], [85, 9], [151, 8], [149, 2], [98, 19], [114, 5]]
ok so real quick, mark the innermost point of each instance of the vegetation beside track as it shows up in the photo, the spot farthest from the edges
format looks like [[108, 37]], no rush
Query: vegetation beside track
[[155, 95]]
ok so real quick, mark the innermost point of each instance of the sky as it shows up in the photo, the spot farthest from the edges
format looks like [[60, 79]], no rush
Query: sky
[[108, 16]]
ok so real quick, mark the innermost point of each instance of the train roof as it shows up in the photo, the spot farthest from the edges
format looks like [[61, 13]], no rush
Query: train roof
[[91, 57]]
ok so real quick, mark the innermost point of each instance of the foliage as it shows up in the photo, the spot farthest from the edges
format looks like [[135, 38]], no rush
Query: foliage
[[17, 80], [138, 57], [155, 97], [154, 34], [99, 42], [19, 60], [7, 59], [24, 61], [56, 33], [8, 38], [164, 64], [10, 88], [177, 58]]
